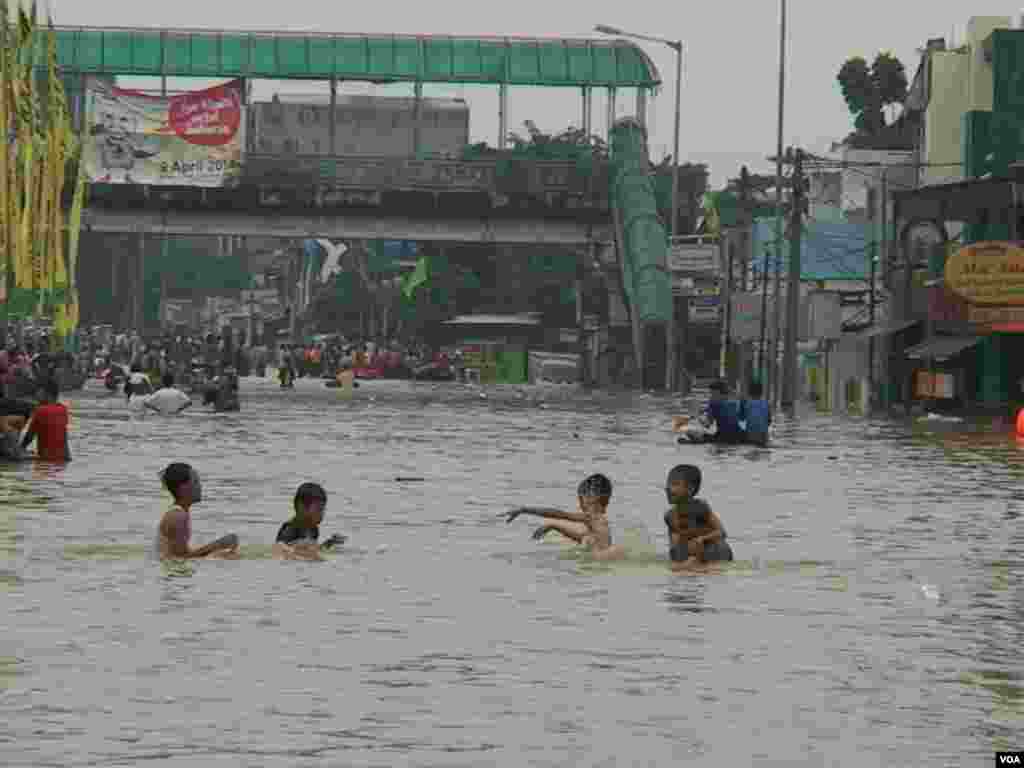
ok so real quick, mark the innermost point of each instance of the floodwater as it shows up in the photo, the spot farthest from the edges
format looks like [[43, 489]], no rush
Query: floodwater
[[874, 617]]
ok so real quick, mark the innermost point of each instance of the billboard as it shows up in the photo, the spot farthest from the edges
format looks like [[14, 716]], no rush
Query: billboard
[[746, 316], [989, 273], [693, 257], [192, 139], [705, 309], [820, 316]]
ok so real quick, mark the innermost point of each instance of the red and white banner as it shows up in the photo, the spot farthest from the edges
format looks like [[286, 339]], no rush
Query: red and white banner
[[193, 139]]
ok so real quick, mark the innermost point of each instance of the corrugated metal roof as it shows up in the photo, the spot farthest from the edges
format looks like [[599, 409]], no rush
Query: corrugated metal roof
[[887, 329], [942, 347]]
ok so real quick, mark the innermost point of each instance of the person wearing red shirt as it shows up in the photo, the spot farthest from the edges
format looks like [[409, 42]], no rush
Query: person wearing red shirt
[[49, 424]]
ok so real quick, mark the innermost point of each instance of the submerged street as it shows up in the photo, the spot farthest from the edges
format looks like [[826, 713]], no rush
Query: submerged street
[[874, 609]]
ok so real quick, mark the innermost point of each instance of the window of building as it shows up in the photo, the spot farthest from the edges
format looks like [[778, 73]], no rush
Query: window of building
[[273, 114], [309, 116]]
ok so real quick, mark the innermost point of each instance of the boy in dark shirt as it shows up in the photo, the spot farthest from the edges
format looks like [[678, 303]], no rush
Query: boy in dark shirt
[[298, 538], [696, 534]]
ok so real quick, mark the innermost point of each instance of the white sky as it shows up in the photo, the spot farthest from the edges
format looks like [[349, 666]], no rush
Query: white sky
[[730, 81]]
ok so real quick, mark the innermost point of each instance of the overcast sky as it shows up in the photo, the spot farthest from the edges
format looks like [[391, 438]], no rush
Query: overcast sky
[[730, 81]]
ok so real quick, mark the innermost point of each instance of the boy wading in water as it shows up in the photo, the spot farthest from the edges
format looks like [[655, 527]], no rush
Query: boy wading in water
[[175, 530], [49, 426], [696, 534], [588, 526], [298, 539]]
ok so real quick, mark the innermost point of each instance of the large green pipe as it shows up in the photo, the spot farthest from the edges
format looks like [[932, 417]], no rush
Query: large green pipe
[[644, 249]]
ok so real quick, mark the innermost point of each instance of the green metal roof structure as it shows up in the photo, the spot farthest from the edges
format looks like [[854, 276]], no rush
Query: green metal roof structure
[[374, 58]]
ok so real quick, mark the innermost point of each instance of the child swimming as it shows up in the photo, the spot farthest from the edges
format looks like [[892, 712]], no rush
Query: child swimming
[[696, 534], [297, 539], [588, 526], [175, 529]]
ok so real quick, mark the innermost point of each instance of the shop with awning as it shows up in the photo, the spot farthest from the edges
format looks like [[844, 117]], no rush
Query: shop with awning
[[946, 368], [972, 294]]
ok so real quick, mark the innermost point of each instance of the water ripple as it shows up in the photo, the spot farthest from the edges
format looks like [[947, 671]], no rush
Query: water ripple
[[874, 609]]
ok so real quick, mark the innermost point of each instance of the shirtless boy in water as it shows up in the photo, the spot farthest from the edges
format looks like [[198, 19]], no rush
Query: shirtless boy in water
[[697, 537], [175, 530], [588, 526]]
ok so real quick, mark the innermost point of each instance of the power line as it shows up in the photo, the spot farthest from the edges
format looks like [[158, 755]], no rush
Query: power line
[[820, 159]]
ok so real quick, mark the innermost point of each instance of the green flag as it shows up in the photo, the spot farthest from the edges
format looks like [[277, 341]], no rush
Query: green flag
[[416, 278]]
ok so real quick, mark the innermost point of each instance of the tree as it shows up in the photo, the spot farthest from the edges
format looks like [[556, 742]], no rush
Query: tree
[[868, 90], [38, 238]]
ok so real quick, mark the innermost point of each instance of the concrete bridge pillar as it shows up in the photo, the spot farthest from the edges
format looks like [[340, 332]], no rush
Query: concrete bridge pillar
[[612, 93], [417, 120], [588, 110], [138, 307], [502, 116], [332, 119]]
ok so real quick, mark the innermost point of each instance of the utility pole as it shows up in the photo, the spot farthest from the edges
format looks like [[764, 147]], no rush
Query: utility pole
[[726, 246], [729, 361], [727, 260], [762, 358], [872, 203], [883, 260], [295, 275], [773, 388], [790, 367]]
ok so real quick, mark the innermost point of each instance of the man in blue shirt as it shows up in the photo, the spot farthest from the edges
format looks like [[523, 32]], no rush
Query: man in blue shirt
[[725, 414], [757, 414]]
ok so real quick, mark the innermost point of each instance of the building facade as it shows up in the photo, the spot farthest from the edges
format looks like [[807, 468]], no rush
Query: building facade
[[971, 140]]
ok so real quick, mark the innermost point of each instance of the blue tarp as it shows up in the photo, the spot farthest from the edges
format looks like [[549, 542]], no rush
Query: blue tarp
[[829, 250]]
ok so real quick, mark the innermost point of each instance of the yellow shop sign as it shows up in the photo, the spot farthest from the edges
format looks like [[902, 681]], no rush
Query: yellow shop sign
[[987, 273]]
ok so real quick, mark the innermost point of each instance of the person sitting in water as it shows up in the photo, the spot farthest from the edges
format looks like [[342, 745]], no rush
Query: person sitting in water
[[719, 422], [49, 423], [168, 399], [587, 526], [175, 530], [756, 414], [696, 534], [298, 538], [11, 426]]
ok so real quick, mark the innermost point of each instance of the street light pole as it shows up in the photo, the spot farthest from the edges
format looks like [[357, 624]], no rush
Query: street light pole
[[672, 348], [672, 366]]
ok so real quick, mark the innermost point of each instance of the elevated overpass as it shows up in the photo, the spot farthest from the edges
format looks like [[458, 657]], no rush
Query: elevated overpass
[[334, 196], [330, 199], [347, 225]]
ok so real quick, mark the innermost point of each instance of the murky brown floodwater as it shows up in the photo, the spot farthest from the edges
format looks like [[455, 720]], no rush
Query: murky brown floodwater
[[875, 616]]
